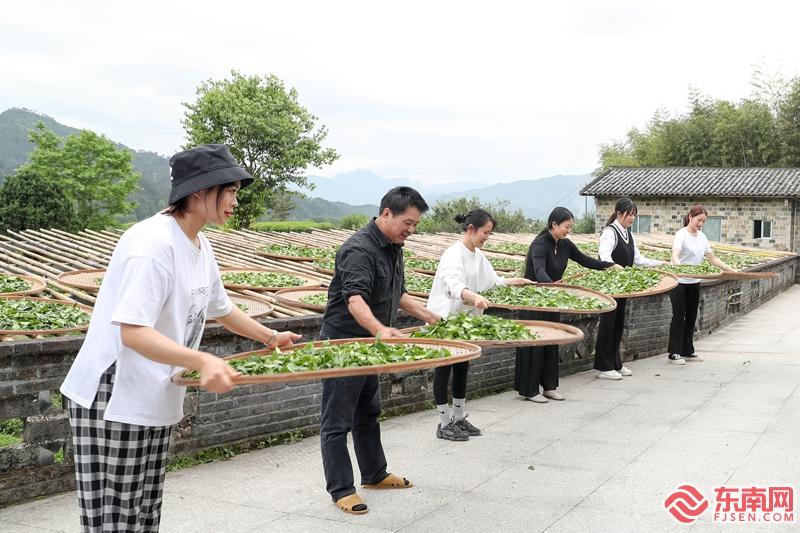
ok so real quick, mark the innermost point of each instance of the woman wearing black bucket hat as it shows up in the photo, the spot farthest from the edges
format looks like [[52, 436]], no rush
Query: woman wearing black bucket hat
[[161, 285]]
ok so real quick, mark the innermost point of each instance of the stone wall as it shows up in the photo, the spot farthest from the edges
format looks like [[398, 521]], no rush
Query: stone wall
[[30, 370], [737, 215]]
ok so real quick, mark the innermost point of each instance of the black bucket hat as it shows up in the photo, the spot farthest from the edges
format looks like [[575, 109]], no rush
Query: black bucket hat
[[203, 167]]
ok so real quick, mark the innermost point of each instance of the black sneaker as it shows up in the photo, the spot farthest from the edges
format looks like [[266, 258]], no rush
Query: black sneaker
[[465, 426], [451, 432]]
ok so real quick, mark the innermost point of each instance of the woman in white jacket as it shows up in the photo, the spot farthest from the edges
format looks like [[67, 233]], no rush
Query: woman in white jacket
[[462, 274]]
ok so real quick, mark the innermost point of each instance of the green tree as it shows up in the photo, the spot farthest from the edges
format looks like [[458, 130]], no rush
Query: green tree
[[441, 215], [269, 133], [354, 221], [30, 201], [760, 131], [789, 126], [96, 176]]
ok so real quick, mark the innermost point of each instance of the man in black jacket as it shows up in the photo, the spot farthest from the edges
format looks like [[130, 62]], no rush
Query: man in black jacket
[[365, 293]]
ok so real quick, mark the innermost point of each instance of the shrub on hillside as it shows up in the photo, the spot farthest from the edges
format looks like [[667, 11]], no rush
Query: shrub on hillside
[[353, 221], [290, 225]]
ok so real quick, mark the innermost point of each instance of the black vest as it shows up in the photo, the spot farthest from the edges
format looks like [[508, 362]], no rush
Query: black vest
[[623, 251]]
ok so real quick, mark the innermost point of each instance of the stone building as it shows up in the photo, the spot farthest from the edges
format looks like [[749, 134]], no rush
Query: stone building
[[748, 206]]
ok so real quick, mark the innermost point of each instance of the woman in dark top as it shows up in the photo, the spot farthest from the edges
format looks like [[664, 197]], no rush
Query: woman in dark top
[[546, 262]]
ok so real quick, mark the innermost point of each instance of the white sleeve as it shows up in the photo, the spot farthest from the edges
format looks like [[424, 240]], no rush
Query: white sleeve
[[218, 302], [677, 242], [144, 288], [639, 259], [608, 240], [452, 273], [707, 244], [494, 279]]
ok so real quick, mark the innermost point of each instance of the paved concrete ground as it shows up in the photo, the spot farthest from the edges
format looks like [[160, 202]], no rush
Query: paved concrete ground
[[604, 460]]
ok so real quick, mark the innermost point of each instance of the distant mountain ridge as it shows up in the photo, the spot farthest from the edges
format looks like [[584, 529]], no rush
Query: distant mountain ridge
[[358, 191]]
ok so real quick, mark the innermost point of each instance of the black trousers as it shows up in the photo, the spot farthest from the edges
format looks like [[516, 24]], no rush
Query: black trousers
[[350, 404], [441, 375], [538, 365], [609, 337], [685, 299]]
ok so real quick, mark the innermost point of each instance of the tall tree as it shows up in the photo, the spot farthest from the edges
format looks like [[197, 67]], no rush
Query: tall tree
[[762, 131], [28, 200], [96, 176], [271, 135]]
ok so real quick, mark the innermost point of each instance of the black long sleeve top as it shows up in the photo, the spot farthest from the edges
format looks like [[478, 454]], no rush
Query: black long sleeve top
[[547, 259]]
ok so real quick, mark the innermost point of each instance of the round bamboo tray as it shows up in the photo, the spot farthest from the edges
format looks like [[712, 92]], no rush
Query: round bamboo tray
[[548, 334], [667, 283], [36, 283], [308, 281], [291, 297], [271, 255], [577, 291], [692, 276], [61, 331], [256, 307], [460, 352], [748, 275], [322, 270], [420, 294], [83, 279]]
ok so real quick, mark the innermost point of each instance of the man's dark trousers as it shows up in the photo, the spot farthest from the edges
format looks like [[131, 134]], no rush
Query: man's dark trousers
[[350, 404]]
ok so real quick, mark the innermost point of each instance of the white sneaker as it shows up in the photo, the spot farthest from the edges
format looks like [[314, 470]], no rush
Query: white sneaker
[[610, 374], [695, 358], [676, 359], [553, 395], [538, 399], [625, 371]]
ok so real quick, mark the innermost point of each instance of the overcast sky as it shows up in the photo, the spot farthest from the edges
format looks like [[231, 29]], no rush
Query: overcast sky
[[433, 91]]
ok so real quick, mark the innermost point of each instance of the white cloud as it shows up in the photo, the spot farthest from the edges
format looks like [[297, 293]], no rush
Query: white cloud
[[426, 90]]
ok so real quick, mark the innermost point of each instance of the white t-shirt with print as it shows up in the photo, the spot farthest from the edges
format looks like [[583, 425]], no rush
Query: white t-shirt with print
[[156, 277], [691, 250], [459, 269]]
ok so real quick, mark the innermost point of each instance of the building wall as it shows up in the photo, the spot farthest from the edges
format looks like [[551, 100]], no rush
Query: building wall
[[737, 217]]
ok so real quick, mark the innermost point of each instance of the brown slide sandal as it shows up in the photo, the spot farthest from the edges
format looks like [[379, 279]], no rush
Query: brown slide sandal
[[352, 504], [391, 482]]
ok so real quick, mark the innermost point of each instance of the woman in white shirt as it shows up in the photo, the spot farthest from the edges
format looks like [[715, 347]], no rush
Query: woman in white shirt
[[689, 247], [617, 245], [161, 285], [463, 273]]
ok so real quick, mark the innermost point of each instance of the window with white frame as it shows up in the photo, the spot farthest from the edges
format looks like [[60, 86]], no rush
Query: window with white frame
[[641, 224], [762, 229]]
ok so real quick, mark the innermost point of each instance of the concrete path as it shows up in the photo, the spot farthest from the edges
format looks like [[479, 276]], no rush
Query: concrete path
[[604, 460]]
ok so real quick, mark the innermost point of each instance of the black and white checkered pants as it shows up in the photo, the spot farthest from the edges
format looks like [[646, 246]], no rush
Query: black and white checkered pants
[[119, 467]]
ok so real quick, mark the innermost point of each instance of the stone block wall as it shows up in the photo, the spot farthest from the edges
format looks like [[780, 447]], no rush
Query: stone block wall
[[737, 217], [30, 370]]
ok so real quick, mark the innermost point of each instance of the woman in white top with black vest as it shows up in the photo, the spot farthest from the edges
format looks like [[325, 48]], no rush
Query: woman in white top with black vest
[[689, 247], [161, 285], [617, 245], [463, 273]]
